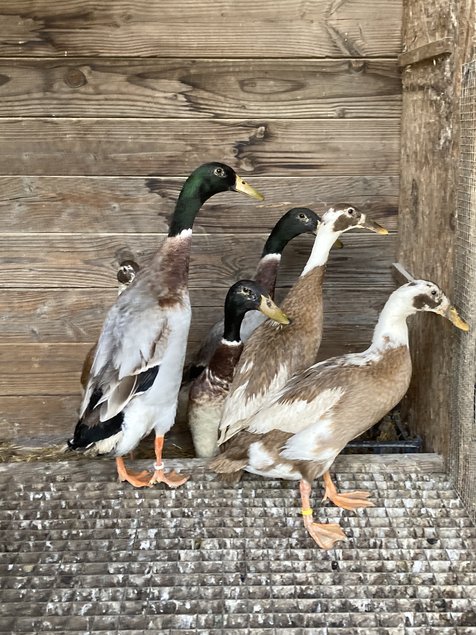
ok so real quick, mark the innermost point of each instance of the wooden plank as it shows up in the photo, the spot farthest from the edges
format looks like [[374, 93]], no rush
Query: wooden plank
[[76, 315], [138, 28], [82, 261], [428, 202], [284, 89], [55, 368], [31, 421], [136, 204], [426, 52], [175, 147]]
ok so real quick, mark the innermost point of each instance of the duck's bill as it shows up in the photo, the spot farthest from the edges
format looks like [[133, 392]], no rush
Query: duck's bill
[[375, 227], [245, 188], [271, 310], [454, 317], [338, 244]]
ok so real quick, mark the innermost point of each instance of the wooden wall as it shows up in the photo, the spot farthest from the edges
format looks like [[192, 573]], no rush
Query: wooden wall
[[436, 44], [106, 106]]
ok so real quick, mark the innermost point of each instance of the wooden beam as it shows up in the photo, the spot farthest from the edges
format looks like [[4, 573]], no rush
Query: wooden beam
[[144, 204], [172, 147], [203, 28], [90, 260], [429, 163], [200, 88], [426, 52]]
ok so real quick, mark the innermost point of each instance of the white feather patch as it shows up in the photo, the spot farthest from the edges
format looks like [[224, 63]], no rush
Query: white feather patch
[[296, 415]]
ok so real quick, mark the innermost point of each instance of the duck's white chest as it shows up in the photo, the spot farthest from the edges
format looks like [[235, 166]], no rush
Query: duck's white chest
[[155, 409]]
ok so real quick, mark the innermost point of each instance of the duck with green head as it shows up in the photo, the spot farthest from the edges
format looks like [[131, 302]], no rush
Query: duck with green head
[[137, 368]]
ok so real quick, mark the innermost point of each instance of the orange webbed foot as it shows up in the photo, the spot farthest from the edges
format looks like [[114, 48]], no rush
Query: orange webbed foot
[[325, 534], [136, 479], [346, 500], [172, 479]]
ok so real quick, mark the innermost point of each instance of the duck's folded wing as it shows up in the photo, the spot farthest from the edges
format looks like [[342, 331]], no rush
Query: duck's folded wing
[[305, 399], [129, 352]]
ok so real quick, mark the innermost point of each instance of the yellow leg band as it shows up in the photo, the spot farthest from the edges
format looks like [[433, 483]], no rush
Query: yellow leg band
[[306, 512]]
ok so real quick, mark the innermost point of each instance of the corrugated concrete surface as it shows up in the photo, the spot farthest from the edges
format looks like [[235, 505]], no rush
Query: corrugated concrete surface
[[85, 554]]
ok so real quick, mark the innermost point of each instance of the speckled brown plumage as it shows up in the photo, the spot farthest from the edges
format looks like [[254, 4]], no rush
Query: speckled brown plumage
[[369, 391]]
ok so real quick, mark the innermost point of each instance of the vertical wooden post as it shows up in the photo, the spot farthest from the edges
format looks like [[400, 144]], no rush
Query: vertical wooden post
[[437, 40]]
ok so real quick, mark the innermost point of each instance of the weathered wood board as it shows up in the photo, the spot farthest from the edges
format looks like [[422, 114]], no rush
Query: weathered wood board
[[189, 88], [87, 261], [76, 315], [429, 160], [143, 204], [169, 147], [140, 28]]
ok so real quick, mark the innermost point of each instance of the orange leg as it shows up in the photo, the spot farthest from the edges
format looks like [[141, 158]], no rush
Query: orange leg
[[134, 478], [325, 534], [347, 500], [172, 479]]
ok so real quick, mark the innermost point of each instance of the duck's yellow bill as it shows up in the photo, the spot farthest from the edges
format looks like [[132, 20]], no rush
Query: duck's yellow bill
[[375, 227], [271, 310], [455, 318], [243, 186]]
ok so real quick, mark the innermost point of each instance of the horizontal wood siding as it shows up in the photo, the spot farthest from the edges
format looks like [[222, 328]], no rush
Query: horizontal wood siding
[[201, 28], [105, 108]]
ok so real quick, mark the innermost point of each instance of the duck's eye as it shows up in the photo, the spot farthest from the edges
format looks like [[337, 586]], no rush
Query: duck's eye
[[302, 216], [219, 172], [247, 291], [350, 211], [433, 292]]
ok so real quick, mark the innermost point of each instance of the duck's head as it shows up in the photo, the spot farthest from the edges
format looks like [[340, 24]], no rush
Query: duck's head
[[424, 295], [343, 218], [212, 178], [127, 271], [296, 221], [247, 295]]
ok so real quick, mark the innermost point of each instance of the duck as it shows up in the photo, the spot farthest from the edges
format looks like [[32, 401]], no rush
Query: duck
[[125, 275], [209, 389], [300, 431], [274, 352], [296, 221], [137, 368]]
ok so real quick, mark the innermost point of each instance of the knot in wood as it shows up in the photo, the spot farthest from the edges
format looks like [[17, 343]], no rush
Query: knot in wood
[[357, 66], [75, 78]]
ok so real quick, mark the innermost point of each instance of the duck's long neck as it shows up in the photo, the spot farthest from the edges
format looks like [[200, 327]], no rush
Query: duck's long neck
[[325, 238], [267, 271], [391, 330], [232, 325], [187, 207]]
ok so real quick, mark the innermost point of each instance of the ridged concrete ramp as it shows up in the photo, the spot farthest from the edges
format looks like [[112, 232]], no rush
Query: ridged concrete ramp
[[85, 554]]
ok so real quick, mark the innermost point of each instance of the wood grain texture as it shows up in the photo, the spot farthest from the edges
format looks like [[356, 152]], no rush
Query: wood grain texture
[[140, 28], [75, 315], [82, 261], [273, 89], [429, 151], [169, 147], [55, 368], [32, 421], [137, 205]]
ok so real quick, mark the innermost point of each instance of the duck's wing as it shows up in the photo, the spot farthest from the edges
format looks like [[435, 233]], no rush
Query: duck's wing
[[305, 399], [130, 349]]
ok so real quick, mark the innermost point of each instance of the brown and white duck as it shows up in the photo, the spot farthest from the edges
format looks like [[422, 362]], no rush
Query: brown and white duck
[[125, 276], [300, 431], [274, 352], [296, 221], [209, 389], [137, 368]]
